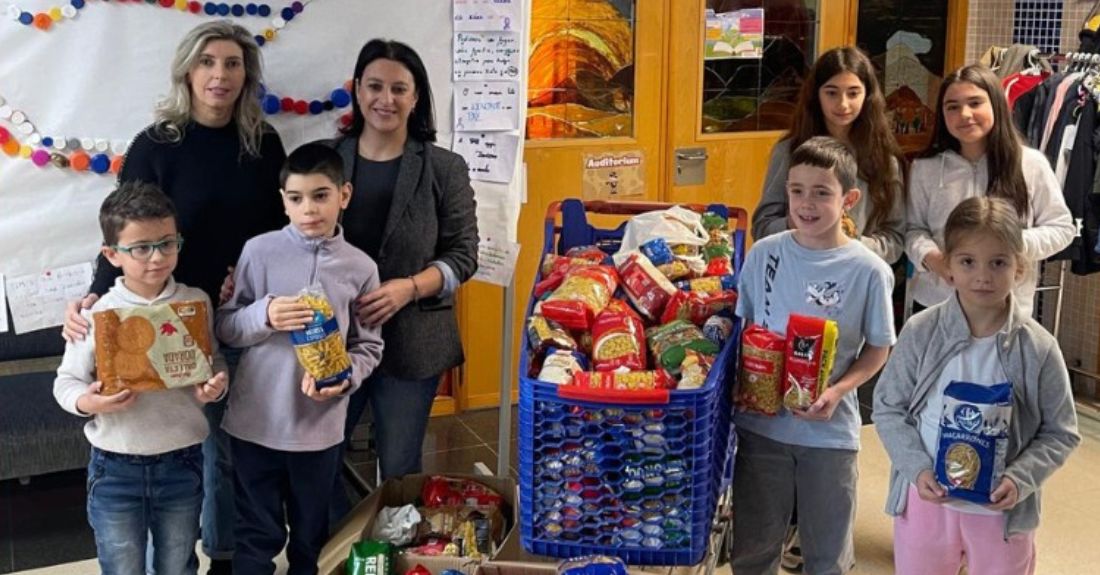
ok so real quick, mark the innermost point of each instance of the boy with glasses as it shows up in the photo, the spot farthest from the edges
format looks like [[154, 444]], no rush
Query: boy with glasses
[[145, 473]]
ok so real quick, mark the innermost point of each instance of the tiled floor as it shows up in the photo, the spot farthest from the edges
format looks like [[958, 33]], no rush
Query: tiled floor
[[43, 524]]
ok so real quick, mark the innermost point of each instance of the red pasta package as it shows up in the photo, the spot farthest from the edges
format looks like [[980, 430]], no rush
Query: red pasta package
[[698, 307], [619, 339], [758, 387], [648, 289], [810, 351], [636, 380], [581, 297], [439, 491]]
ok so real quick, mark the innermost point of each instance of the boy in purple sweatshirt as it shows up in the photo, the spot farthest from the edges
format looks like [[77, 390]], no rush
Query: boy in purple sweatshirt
[[285, 432]]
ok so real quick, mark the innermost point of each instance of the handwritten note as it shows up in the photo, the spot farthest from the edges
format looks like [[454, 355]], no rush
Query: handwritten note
[[491, 156], [38, 300], [486, 15], [486, 106], [496, 261], [3, 307], [486, 56]]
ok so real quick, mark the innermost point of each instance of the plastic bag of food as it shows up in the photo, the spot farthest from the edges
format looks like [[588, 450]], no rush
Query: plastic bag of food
[[618, 339], [439, 491], [761, 373], [810, 351], [561, 365], [718, 329], [698, 307], [670, 343], [543, 334], [370, 557], [581, 297], [708, 284], [396, 525], [694, 370], [681, 229], [632, 381], [973, 441], [718, 251], [593, 565], [320, 346], [648, 289]]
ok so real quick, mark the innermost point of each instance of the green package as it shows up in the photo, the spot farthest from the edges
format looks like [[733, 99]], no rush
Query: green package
[[370, 557]]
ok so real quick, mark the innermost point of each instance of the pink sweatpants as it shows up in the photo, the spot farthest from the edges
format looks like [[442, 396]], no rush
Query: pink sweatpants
[[931, 539]]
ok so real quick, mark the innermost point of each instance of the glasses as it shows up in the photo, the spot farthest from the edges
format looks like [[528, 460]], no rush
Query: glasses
[[145, 251]]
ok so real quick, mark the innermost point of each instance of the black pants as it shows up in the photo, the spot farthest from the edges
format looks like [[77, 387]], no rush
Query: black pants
[[266, 480]]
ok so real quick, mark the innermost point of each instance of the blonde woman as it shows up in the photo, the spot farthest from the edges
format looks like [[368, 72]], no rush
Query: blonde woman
[[211, 152]]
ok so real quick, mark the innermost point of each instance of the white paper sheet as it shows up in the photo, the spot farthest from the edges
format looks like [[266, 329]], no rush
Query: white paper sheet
[[496, 261], [3, 307], [486, 15], [38, 300], [487, 56], [490, 155], [486, 106]]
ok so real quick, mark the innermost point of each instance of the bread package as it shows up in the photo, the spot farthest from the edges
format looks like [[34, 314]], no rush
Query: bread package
[[150, 348]]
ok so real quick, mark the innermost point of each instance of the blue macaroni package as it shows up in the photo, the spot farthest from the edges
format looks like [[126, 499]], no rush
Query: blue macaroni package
[[970, 458]]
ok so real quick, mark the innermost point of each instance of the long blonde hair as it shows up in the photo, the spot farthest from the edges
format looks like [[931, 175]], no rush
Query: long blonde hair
[[173, 113]]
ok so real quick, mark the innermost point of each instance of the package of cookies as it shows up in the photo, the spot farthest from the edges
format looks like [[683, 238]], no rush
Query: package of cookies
[[150, 348], [973, 442], [320, 346]]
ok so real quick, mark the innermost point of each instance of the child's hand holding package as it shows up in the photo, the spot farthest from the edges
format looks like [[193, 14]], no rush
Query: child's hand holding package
[[309, 388], [288, 313], [212, 390], [93, 401]]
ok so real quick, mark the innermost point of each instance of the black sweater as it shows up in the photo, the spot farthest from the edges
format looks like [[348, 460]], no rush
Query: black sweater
[[222, 197]]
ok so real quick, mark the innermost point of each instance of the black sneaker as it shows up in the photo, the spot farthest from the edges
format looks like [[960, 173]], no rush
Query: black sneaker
[[792, 551], [220, 567]]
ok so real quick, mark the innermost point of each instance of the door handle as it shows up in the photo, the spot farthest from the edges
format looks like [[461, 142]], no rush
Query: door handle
[[692, 156]]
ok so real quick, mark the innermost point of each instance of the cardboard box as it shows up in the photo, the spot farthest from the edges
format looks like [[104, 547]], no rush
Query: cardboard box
[[513, 559], [395, 493]]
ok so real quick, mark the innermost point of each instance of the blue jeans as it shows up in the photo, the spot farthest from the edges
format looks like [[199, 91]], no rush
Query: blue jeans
[[132, 497], [276, 489], [400, 409], [218, 513]]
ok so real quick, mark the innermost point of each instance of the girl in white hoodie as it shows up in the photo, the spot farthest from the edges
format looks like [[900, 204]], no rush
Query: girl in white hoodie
[[976, 151]]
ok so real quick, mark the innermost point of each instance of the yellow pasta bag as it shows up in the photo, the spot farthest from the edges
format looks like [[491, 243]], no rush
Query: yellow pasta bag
[[320, 346]]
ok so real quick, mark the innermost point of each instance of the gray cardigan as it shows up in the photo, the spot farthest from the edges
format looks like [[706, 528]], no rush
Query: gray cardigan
[[432, 218], [770, 215], [1044, 424]]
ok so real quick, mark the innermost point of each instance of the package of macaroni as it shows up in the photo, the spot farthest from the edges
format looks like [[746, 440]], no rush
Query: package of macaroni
[[560, 365], [151, 348], [758, 384], [320, 346], [698, 307], [635, 380], [581, 297], [810, 351], [542, 334], [970, 457], [648, 289], [670, 343], [618, 339]]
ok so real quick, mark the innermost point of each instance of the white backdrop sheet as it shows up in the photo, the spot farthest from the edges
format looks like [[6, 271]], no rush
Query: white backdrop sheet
[[100, 75]]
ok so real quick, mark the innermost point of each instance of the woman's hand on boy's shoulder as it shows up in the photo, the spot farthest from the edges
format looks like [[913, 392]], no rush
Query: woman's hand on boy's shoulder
[[211, 390], [76, 326], [94, 402], [309, 388]]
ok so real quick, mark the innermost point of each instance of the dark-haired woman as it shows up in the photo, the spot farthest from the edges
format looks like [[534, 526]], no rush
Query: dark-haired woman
[[412, 210]]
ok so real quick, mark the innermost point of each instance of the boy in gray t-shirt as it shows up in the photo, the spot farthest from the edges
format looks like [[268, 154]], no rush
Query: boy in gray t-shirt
[[807, 459]]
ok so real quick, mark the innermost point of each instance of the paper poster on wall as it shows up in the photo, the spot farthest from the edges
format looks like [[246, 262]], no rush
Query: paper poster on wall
[[3, 307], [496, 261], [737, 34], [486, 15], [486, 56], [486, 106], [613, 176], [38, 300], [491, 156]]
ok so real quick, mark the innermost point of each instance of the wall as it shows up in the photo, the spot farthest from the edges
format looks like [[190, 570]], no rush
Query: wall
[[991, 23]]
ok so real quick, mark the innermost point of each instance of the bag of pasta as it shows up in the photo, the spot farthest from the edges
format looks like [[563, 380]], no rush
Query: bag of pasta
[[761, 370], [811, 349], [619, 339], [581, 297], [973, 441], [320, 346]]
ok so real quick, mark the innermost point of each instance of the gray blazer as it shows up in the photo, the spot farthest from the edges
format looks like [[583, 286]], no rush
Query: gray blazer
[[432, 218]]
